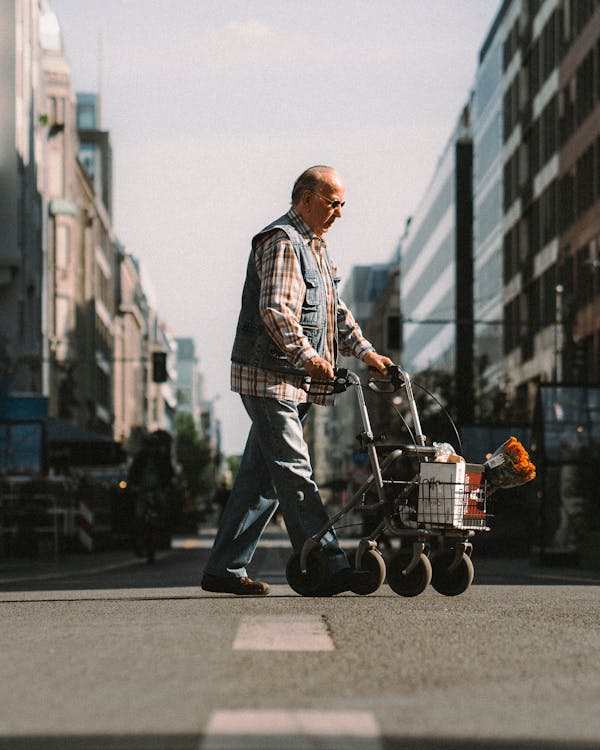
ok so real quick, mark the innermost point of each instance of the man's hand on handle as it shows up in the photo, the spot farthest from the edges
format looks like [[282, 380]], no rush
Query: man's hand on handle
[[319, 369], [378, 362]]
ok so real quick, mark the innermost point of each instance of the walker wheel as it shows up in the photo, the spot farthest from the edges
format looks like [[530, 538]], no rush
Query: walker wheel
[[416, 581], [317, 573], [451, 582], [373, 563]]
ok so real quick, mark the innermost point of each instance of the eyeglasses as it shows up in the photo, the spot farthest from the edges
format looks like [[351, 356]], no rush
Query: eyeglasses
[[332, 204]]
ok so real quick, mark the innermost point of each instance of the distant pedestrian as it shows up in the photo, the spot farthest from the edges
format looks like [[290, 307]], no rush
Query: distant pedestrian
[[150, 474], [291, 325]]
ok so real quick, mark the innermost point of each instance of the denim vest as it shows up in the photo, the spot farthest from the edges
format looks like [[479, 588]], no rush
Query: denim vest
[[253, 345]]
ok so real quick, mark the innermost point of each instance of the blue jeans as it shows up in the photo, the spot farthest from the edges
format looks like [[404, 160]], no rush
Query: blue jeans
[[275, 470]]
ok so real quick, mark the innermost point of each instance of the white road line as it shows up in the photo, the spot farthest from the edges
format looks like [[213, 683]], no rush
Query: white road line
[[282, 633], [274, 729]]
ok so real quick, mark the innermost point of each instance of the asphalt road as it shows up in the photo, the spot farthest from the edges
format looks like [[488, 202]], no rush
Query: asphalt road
[[105, 651]]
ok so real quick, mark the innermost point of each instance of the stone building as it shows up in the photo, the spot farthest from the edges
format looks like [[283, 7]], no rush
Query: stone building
[[24, 135], [78, 327]]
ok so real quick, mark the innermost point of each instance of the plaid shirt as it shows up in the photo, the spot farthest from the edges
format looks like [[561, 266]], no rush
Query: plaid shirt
[[281, 296]]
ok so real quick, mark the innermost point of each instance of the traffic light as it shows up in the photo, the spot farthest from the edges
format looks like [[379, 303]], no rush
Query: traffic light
[[159, 367]]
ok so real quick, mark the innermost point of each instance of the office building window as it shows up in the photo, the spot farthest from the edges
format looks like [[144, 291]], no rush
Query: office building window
[[103, 388], [512, 180], [533, 227], [549, 47], [564, 27], [511, 108], [534, 6], [585, 87], [598, 167], [511, 325], [548, 213], [548, 130], [511, 45], [85, 117], [584, 360], [511, 252], [584, 278], [566, 112], [522, 227], [581, 14], [523, 157], [394, 329], [566, 202], [507, 258], [534, 301], [534, 68], [548, 291], [598, 69], [489, 212], [585, 181], [534, 147], [506, 185]]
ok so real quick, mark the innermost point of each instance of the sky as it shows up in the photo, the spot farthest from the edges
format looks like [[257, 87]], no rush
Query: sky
[[216, 106]]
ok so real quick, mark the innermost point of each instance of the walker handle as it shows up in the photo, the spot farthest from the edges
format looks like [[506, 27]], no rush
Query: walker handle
[[339, 384], [394, 383]]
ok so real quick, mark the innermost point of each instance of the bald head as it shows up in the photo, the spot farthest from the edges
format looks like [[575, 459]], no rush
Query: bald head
[[314, 178], [318, 196]]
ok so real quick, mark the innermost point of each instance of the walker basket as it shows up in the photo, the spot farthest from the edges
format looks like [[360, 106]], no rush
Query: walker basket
[[452, 496]]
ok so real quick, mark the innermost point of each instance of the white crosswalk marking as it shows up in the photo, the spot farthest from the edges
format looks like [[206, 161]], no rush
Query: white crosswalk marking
[[282, 633], [274, 729]]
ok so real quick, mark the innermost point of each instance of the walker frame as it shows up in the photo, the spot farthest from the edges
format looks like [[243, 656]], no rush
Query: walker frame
[[434, 519]]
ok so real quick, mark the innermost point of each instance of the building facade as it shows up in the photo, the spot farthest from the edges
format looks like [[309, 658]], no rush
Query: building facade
[[189, 396], [489, 374], [78, 327], [551, 201], [24, 132], [160, 395], [436, 286], [81, 262], [579, 175], [129, 336], [95, 150]]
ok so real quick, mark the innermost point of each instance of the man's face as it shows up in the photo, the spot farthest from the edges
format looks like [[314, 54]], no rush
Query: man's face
[[322, 206]]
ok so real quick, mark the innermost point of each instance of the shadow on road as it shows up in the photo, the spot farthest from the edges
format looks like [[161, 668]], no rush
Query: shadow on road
[[276, 742], [178, 568]]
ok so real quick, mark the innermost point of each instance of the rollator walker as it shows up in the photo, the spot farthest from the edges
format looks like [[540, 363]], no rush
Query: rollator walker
[[435, 508]]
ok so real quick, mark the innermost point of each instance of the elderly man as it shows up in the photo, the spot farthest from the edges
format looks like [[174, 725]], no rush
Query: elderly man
[[291, 325]]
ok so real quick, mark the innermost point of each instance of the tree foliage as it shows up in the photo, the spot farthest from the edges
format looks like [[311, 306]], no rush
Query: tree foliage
[[233, 464], [194, 456]]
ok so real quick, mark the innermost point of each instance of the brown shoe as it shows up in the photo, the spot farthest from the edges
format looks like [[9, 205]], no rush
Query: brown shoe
[[233, 585]]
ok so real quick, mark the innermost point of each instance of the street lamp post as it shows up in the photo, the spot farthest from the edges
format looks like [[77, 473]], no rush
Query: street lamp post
[[558, 334]]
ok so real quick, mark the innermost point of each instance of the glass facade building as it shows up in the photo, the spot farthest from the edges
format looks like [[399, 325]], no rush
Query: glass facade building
[[488, 217], [436, 272], [95, 151]]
